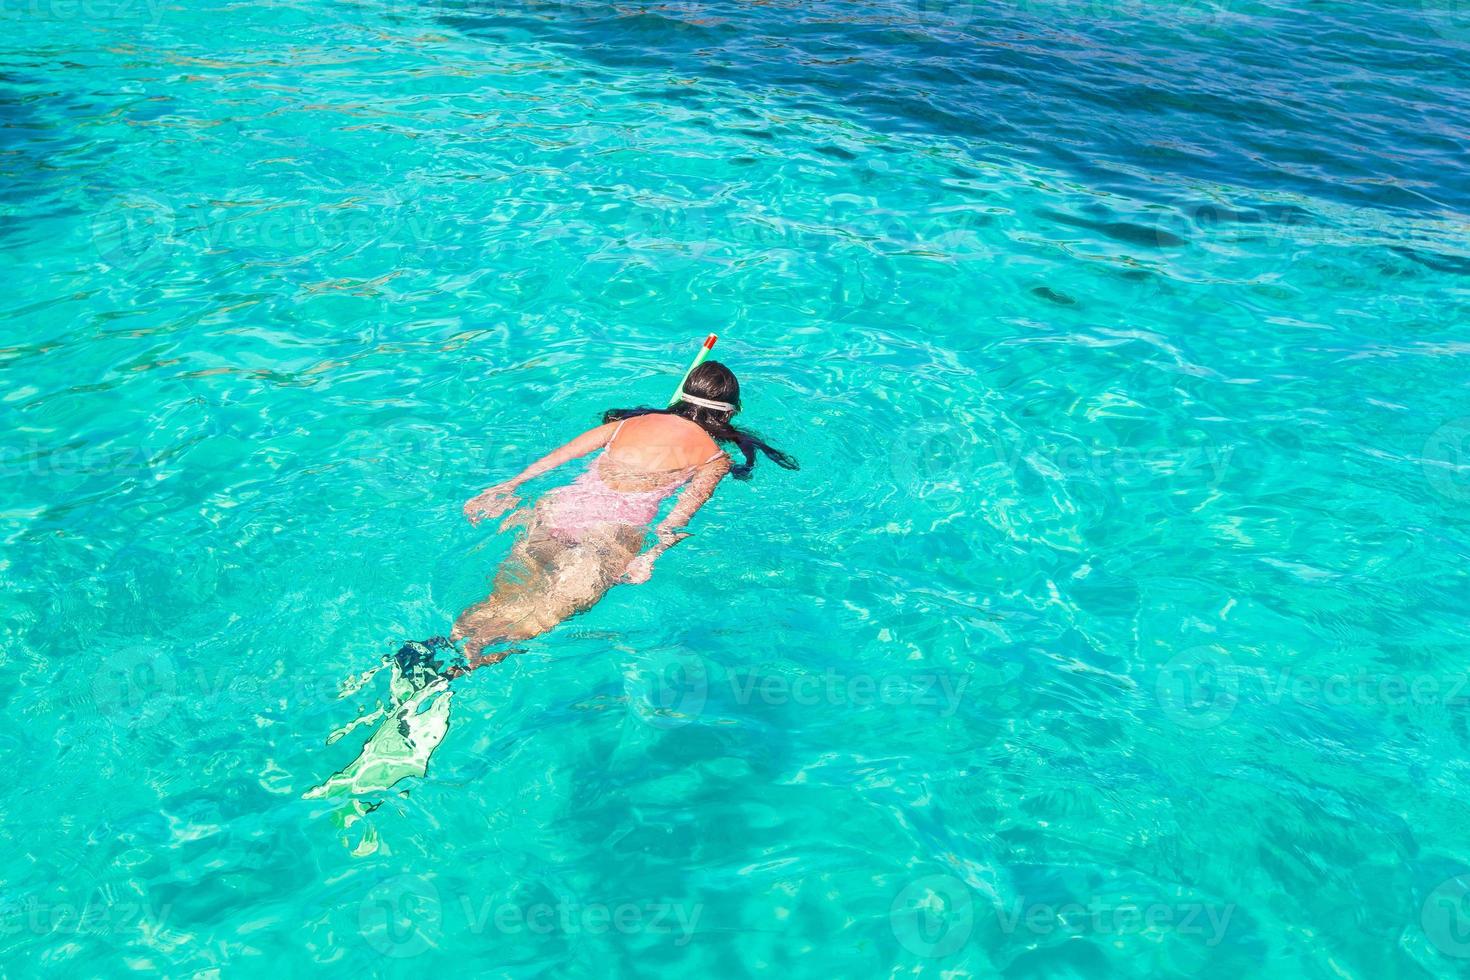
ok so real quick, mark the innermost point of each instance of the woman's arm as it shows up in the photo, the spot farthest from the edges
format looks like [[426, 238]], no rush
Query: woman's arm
[[670, 530], [501, 497]]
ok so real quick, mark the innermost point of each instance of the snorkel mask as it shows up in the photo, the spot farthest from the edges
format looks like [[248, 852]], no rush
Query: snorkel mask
[[681, 396]]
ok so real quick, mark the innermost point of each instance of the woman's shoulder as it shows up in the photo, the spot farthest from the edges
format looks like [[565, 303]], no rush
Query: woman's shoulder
[[669, 431]]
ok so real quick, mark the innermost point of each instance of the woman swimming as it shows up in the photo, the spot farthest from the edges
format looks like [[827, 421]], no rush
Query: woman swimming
[[584, 538], [580, 540]]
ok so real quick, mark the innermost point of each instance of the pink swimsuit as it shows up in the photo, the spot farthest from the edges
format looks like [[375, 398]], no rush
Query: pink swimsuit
[[588, 502]]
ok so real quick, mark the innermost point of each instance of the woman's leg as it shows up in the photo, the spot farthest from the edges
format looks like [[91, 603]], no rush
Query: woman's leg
[[544, 581]]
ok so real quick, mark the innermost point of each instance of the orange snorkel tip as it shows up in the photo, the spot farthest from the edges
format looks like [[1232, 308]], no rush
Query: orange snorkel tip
[[709, 345]]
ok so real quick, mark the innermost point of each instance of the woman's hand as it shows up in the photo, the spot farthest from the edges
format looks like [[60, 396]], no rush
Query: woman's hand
[[492, 503], [640, 568]]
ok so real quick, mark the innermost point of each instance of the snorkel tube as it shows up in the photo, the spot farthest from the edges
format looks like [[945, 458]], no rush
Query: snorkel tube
[[709, 343]]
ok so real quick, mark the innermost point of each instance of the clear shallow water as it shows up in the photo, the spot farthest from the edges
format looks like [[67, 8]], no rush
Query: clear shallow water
[[1114, 625]]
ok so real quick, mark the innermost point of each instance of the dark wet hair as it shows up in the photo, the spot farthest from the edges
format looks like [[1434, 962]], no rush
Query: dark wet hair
[[714, 381]]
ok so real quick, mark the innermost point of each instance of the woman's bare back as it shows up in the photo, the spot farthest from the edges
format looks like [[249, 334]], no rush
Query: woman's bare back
[[650, 448]]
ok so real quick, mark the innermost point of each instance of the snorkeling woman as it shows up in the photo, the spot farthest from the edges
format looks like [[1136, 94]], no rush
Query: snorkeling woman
[[580, 540], [583, 538]]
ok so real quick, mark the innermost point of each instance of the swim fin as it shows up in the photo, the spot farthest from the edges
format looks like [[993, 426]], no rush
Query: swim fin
[[419, 663]]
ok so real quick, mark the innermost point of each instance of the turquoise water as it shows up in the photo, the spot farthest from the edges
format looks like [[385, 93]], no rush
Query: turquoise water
[[1114, 625]]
